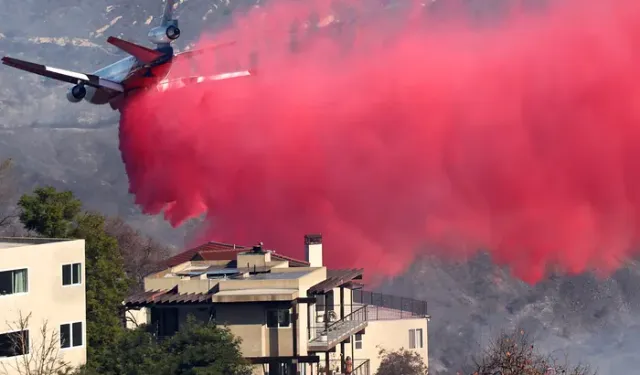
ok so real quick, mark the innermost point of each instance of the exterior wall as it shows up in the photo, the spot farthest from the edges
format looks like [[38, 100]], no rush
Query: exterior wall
[[137, 317], [390, 335], [47, 300]]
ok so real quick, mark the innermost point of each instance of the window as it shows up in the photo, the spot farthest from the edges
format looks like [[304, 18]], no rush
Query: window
[[165, 320], [14, 343], [71, 335], [358, 341], [71, 274], [15, 281], [415, 338], [278, 318]]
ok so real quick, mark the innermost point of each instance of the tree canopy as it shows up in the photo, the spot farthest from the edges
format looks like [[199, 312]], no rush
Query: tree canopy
[[515, 354], [401, 362], [49, 213], [199, 348], [141, 254], [107, 285]]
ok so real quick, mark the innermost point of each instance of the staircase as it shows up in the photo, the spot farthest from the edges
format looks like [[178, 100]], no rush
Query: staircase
[[327, 337]]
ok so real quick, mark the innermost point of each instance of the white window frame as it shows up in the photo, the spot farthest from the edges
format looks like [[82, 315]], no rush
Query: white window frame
[[28, 344], [266, 322], [79, 276], [28, 282], [356, 341], [418, 340], [70, 324]]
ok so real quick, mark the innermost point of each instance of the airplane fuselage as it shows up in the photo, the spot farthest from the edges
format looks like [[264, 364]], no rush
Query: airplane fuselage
[[137, 74]]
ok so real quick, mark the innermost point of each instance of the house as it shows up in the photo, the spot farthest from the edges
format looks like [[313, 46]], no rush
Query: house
[[41, 286], [294, 316]]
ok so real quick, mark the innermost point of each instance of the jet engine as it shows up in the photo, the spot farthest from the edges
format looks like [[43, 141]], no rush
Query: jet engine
[[76, 93], [164, 34]]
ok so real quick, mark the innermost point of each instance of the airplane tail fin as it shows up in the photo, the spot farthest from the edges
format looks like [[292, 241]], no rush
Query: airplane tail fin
[[144, 54], [167, 13]]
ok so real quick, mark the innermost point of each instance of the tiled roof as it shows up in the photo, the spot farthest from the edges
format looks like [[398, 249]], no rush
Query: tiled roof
[[223, 251], [210, 248]]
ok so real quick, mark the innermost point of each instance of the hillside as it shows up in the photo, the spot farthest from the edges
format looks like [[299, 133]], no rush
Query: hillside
[[586, 318]]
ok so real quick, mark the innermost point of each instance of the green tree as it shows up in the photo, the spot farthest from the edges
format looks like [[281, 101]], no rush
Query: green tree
[[49, 212], [197, 349], [401, 362], [107, 286], [204, 349]]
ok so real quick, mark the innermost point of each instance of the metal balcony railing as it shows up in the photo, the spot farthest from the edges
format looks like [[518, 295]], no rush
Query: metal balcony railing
[[330, 333], [384, 306]]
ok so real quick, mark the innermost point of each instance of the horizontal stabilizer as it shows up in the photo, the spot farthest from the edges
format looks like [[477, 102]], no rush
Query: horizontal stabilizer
[[176, 83], [61, 74], [144, 54], [202, 50]]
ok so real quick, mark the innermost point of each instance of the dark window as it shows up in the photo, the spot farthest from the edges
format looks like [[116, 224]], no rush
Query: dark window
[[320, 302], [281, 368], [65, 336], [77, 273], [77, 334], [66, 274], [72, 274], [71, 335], [14, 281], [14, 343], [278, 318], [330, 301], [165, 321]]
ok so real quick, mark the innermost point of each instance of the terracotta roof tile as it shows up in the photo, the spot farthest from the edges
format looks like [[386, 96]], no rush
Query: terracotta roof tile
[[221, 251]]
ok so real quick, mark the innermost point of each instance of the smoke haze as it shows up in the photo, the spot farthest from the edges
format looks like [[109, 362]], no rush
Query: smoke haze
[[389, 130]]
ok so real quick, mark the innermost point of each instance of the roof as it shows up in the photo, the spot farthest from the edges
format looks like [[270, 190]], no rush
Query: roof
[[223, 251], [172, 297], [166, 296], [336, 278], [255, 295], [9, 242]]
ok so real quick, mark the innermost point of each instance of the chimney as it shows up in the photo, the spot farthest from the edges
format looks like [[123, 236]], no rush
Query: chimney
[[313, 249]]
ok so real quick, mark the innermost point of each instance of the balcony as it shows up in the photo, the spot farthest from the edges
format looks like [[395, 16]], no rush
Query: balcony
[[326, 336], [387, 307]]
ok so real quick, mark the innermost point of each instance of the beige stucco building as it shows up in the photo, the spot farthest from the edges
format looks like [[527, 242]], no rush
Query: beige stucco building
[[41, 284], [294, 317]]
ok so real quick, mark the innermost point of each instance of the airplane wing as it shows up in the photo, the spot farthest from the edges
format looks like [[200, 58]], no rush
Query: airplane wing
[[144, 54], [62, 75], [176, 83]]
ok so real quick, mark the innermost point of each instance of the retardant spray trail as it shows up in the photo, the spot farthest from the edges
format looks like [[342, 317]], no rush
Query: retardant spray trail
[[521, 139]]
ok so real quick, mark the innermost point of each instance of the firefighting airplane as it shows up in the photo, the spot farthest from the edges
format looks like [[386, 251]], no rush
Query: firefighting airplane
[[145, 68]]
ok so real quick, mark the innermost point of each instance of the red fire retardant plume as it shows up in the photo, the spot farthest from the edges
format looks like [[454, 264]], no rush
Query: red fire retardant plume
[[521, 138]]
